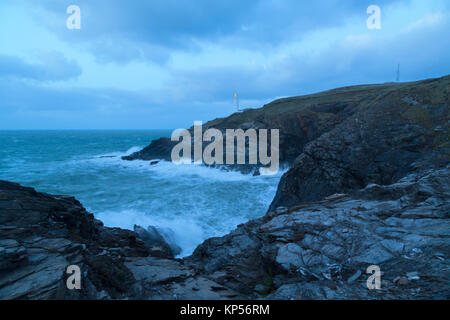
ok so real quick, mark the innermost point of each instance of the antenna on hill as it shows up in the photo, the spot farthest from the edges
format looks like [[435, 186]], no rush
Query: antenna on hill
[[398, 73], [236, 102]]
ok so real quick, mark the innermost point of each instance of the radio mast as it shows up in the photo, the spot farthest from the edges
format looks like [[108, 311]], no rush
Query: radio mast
[[398, 73]]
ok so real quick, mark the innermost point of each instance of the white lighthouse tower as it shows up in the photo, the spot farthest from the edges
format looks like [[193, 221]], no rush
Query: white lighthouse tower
[[236, 102]]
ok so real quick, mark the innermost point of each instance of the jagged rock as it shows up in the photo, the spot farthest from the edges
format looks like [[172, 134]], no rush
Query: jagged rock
[[11, 254], [334, 239], [157, 237], [169, 238], [157, 271], [152, 237], [41, 235], [354, 277], [401, 281], [380, 142]]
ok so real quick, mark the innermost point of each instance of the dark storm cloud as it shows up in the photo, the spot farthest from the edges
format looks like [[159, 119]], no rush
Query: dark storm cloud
[[121, 31], [422, 53]]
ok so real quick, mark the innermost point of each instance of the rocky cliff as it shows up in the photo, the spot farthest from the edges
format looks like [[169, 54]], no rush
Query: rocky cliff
[[321, 250], [317, 250], [41, 235], [369, 184], [382, 120], [402, 129]]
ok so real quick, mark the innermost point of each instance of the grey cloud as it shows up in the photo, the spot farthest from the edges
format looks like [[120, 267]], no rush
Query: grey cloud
[[122, 31], [423, 53], [34, 96], [53, 66], [33, 106]]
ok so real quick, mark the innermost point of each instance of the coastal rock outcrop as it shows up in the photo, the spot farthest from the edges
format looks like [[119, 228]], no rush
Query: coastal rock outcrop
[[317, 250], [321, 250], [404, 129], [154, 236], [359, 134], [369, 185], [41, 235]]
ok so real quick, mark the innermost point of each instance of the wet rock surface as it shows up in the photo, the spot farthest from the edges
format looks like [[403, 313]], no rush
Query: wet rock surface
[[321, 250], [317, 250], [41, 235], [385, 139]]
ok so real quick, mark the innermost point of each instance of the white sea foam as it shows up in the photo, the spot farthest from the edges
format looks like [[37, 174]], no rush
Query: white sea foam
[[195, 201], [166, 169], [187, 233], [119, 154]]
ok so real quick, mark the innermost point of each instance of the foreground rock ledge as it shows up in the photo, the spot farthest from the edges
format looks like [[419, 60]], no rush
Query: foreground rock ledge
[[316, 250], [42, 234]]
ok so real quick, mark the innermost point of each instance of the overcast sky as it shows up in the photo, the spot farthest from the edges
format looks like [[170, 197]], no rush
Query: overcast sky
[[165, 63]]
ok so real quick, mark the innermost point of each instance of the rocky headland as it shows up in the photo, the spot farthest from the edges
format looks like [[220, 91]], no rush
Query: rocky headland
[[368, 184]]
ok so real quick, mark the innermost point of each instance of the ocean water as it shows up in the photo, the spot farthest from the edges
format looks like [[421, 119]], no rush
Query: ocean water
[[194, 201]]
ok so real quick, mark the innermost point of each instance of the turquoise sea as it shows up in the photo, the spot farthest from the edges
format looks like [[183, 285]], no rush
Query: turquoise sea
[[194, 201]]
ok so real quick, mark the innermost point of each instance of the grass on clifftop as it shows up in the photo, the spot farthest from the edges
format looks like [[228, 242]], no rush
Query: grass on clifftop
[[361, 95]]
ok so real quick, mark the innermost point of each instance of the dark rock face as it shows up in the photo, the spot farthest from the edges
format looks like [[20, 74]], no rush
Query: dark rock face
[[317, 250], [299, 119], [403, 130], [160, 149], [41, 235], [152, 236], [321, 250]]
